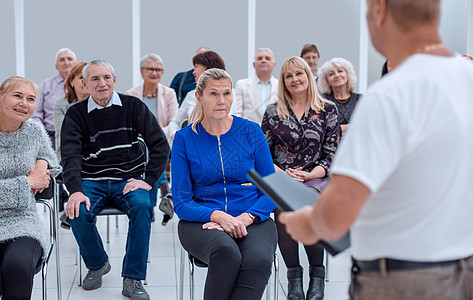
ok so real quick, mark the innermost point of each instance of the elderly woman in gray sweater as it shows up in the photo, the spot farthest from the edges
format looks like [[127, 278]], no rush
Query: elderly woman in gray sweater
[[26, 163]]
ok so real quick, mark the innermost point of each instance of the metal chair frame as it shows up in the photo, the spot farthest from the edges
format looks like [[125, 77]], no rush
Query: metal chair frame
[[108, 210], [50, 199], [192, 262]]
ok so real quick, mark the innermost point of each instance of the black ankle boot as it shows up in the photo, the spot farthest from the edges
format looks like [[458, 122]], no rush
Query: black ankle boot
[[316, 283], [295, 290]]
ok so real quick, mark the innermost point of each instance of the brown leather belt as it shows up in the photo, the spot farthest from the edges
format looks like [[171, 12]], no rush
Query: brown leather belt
[[393, 264]]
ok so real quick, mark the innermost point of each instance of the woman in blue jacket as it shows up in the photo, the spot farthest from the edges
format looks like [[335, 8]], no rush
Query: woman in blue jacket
[[224, 218]]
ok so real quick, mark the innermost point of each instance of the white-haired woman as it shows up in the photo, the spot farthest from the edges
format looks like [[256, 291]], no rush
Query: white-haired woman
[[224, 218], [337, 81], [26, 163], [302, 132], [162, 102]]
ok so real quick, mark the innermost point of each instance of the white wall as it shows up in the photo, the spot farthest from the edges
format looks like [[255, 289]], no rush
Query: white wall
[[175, 29], [7, 32]]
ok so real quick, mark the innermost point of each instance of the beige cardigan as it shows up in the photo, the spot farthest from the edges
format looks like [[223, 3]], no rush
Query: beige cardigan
[[167, 103]]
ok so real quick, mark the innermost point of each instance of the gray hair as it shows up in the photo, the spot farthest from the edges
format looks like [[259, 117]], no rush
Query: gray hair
[[151, 57], [324, 87], [264, 49], [66, 50], [98, 62], [211, 74]]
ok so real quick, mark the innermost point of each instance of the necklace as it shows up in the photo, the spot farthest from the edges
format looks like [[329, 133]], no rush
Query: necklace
[[431, 47], [150, 95], [343, 101]]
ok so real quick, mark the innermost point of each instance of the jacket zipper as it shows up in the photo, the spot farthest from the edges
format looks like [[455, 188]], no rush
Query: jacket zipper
[[223, 172]]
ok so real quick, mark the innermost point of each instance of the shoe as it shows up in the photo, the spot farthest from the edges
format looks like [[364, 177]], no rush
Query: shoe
[[295, 289], [316, 283], [134, 289], [93, 279], [164, 188], [166, 207], [166, 219], [64, 223]]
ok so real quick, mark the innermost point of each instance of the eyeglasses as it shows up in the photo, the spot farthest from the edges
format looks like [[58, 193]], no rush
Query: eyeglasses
[[151, 70]]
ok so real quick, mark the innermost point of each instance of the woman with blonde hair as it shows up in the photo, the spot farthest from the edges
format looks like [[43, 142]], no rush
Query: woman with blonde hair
[[26, 163], [302, 133], [224, 219]]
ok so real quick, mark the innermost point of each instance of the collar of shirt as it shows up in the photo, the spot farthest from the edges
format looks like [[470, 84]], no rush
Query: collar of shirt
[[91, 104]]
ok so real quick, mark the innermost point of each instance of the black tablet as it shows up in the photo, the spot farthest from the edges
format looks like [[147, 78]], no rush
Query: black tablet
[[290, 195]]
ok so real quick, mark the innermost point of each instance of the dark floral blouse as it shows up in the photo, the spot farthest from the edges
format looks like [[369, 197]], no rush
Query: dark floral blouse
[[307, 143]]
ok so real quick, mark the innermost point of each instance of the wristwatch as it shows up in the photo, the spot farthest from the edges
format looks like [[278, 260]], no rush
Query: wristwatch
[[254, 217]]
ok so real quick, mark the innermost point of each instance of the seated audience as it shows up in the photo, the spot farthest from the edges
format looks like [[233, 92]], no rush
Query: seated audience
[[161, 101], [337, 82], [253, 94], [202, 62], [311, 55], [104, 162], [51, 89], [184, 82], [302, 132], [75, 91], [224, 218], [25, 157]]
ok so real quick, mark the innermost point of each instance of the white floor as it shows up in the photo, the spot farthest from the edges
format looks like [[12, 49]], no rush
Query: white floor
[[163, 269]]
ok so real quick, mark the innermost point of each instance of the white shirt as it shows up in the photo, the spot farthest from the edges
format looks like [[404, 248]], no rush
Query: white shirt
[[411, 144], [264, 95], [91, 104]]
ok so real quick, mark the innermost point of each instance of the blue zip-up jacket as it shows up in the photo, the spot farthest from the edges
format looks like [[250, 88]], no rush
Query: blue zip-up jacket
[[198, 184]]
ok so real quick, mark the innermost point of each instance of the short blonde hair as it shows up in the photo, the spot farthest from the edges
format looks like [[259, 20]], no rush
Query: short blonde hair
[[211, 74], [313, 101], [12, 82], [325, 69]]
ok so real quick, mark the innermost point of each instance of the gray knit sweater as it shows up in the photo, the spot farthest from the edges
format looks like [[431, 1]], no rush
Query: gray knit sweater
[[19, 151]]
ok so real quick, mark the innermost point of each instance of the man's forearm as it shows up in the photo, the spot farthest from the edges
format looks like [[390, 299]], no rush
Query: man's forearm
[[338, 207]]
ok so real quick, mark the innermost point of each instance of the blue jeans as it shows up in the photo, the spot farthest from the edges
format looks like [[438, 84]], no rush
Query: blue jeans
[[139, 211], [153, 193]]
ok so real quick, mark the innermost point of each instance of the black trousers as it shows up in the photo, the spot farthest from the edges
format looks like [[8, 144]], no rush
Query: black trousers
[[290, 249], [238, 268], [20, 259]]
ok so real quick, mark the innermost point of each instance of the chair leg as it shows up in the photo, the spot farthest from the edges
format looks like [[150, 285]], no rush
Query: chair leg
[[55, 217], [276, 275], [326, 266], [44, 284], [108, 229], [181, 274], [191, 279], [79, 264]]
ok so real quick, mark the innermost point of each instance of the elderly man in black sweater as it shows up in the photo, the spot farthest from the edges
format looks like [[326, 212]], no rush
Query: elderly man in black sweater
[[104, 161]]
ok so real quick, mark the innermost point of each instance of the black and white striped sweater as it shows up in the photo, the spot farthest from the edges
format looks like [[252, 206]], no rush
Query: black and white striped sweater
[[103, 144]]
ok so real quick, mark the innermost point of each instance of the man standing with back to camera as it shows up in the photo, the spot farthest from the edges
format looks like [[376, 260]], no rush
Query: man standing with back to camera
[[402, 175]]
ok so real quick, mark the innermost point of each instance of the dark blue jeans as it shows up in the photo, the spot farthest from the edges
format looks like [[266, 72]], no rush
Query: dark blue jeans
[[138, 209]]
